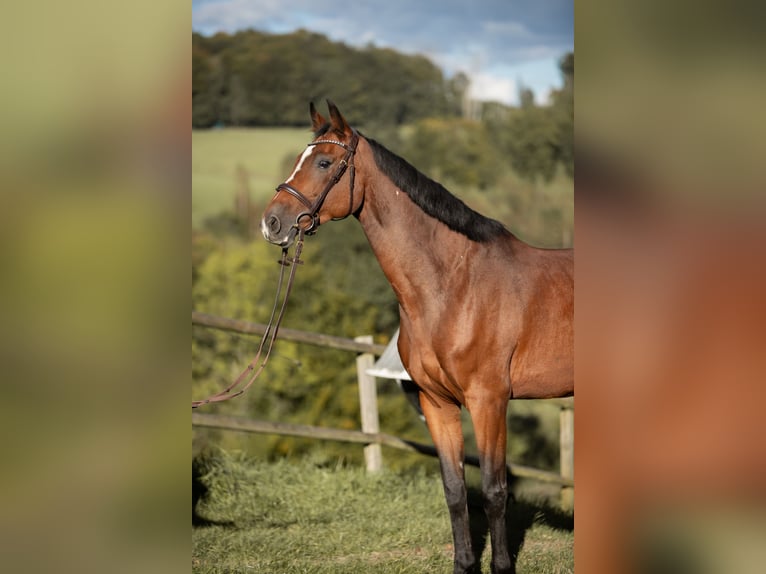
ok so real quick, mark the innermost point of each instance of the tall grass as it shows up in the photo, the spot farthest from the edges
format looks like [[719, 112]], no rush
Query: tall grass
[[306, 518]]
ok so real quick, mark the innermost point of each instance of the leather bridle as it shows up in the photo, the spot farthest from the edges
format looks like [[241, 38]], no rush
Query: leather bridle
[[313, 207]]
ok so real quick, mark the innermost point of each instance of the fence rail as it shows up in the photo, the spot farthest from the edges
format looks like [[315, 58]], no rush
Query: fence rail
[[244, 424], [318, 339]]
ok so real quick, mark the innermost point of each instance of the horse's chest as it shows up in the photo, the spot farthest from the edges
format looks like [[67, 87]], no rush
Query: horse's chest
[[433, 374]]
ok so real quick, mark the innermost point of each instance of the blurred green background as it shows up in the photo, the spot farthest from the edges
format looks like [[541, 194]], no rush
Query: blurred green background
[[94, 176]]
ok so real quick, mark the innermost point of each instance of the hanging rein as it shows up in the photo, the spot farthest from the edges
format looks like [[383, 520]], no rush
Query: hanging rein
[[253, 370]]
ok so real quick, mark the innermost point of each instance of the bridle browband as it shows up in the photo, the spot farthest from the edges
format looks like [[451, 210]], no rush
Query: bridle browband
[[316, 205]]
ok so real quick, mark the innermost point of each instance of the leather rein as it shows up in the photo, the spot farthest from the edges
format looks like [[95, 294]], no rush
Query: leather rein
[[254, 369]]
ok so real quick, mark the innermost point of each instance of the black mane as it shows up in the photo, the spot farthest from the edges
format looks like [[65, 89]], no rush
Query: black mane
[[434, 199]]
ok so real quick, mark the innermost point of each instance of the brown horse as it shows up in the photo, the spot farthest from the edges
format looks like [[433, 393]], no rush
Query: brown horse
[[485, 318]]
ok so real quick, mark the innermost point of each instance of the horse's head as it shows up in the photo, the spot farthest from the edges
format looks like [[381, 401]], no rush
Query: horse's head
[[321, 186]]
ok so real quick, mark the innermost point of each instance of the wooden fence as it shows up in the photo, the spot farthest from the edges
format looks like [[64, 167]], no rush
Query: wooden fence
[[370, 435]]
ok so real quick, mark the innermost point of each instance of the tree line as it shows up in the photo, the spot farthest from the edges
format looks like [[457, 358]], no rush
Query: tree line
[[253, 78]]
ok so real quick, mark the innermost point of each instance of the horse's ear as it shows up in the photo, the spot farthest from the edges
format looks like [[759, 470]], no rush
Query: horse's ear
[[338, 122], [317, 121]]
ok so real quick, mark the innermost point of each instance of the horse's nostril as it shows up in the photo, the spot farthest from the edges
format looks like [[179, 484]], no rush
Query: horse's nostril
[[274, 224]]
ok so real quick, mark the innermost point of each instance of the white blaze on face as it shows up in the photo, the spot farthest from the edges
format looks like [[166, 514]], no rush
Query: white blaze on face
[[298, 167], [265, 229]]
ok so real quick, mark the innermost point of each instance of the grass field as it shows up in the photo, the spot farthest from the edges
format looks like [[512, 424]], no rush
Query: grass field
[[217, 155], [284, 518]]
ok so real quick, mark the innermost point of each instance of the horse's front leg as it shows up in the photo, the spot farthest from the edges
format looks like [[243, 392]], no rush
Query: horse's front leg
[[489, 423], [443, 421]]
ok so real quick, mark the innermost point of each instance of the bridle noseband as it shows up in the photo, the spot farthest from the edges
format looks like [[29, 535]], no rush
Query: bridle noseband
[[316, 205]]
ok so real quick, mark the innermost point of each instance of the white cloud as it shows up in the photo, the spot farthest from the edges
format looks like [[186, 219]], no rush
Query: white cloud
[[508, 28], [232, 15], [489, 87]]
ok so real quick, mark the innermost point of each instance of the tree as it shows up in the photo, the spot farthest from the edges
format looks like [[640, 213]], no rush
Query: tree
[[453, 151], [539, 139], [563, 111], [532, 140], [252, 79], [457, 94], [204, 86]]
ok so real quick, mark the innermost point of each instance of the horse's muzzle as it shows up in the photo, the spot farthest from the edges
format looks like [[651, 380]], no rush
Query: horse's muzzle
[[276, 231]]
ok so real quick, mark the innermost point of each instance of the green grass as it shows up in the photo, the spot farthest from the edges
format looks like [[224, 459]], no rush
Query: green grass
[[302, 518], [218, 154]]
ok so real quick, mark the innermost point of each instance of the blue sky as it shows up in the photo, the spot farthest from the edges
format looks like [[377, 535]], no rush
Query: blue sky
[[498, 43]]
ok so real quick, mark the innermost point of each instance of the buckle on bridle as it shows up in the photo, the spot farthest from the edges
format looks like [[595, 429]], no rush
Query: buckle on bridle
[[311, 229]]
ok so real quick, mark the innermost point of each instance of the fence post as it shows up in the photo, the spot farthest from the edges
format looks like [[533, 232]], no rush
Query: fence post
[[566, 444], [368, 402]]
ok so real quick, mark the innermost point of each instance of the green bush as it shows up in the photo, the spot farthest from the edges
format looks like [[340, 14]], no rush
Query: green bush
[[340, 290], [453, 151]]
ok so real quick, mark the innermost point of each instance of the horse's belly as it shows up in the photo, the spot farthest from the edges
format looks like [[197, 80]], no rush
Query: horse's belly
[[545, 383]]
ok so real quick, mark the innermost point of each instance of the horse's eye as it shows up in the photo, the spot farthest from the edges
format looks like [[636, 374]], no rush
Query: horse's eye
[[324, 163]]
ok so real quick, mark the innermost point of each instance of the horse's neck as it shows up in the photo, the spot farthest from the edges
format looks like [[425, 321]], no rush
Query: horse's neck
[[415, 251]]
